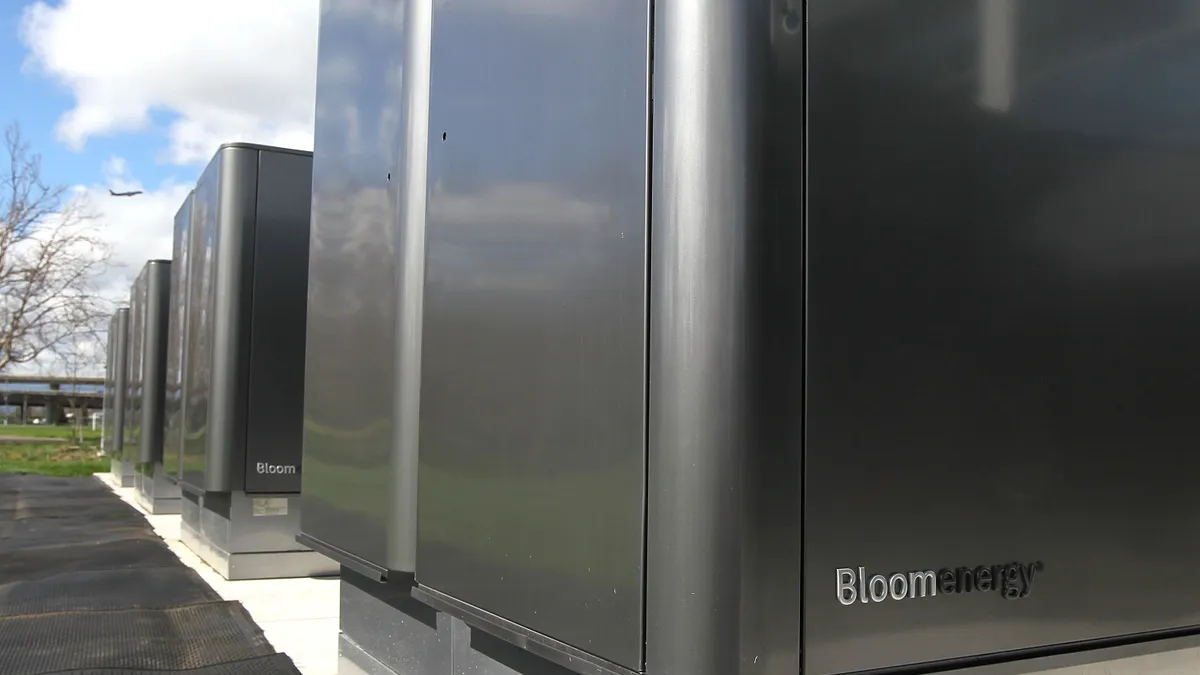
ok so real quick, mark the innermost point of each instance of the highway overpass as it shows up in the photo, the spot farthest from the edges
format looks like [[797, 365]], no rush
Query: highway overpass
[[25, 397]]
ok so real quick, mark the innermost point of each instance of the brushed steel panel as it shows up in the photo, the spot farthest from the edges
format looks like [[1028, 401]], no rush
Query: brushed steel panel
[[532, 409], [726, 336], [229, 296], [134, 381], [176, 341], [410, 283], [115, 375], [218, 335], [107, 414], [352, 307], [1001, 327], [154, 315], [231, 304], [275, 362], [197, 357]]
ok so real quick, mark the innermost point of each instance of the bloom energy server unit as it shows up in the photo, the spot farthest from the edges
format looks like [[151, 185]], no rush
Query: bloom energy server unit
[[243, 360], [767, 337], [149, 307], [176, 348], [365, 278], [116, 376]]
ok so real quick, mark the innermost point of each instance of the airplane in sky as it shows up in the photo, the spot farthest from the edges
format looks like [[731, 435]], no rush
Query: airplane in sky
[[124, 194]]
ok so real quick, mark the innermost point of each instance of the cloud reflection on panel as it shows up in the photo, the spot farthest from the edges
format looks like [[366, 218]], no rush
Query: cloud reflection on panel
[[550, 9], [533, 345], [492, 237], [985, 67], [1097, 229], [352, 268], [1130, 212]]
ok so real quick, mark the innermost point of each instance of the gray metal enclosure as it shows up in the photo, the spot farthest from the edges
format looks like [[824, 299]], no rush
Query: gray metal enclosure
[[901, 285], [1002, 253], [247, 265], [366, 266], [758, 338], [243, 363], [130, 455], [533, 372], [116, 394], [150, 307], [176, 343], [595, 484]]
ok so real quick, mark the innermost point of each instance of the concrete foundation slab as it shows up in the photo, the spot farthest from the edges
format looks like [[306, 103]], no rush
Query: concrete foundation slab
[[156, 493], [249, 536], [123, 473]]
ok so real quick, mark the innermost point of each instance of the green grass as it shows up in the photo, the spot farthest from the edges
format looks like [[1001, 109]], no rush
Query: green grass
[[51, 459], [64, 432]]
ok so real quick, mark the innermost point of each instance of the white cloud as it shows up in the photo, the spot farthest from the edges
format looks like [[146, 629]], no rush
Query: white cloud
[[135, 229], [218, 70], [138, 228], [230, 70]]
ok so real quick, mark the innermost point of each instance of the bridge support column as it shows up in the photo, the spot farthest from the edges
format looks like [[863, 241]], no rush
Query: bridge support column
[[53, 406]]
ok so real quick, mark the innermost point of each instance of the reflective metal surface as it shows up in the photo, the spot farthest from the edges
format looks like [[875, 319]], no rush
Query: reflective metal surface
[[134, 379], [153, 288], [726, 336], [352, 306], [176, 341], [532, 409], [274, 366], [1002, 249], [384, 631], [115, 377], [228, 275], [248, 255], [410, 284], [197, 357]]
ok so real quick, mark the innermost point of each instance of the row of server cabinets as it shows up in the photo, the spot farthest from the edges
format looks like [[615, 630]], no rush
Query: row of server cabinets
[[206, 367], [710, 338]]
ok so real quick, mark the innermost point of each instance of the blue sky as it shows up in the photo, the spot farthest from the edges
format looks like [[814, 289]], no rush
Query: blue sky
[[36, 103], [136, 93]]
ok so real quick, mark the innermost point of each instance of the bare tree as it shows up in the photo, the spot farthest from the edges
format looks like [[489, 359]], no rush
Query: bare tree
[[81, 356], [51, 258]]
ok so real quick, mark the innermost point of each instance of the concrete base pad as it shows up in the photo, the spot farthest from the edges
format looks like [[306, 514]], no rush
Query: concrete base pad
[[159, 506], [249, 536], [245, 566], [123, 475], [155, 492], [111, 480]]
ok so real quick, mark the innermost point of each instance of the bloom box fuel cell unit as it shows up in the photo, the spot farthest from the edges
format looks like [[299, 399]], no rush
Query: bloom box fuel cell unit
[[149, 307], [116, 396], [245, 244], [757, 338]]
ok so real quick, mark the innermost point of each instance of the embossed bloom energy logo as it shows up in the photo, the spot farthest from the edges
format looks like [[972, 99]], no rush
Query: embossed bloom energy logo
[[1010, 580]]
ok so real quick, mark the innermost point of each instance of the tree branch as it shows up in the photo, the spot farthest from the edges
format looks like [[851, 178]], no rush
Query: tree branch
[[51, 257]]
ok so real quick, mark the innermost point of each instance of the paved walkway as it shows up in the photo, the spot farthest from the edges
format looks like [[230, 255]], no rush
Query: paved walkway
[[298, 616], [87, 586]]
